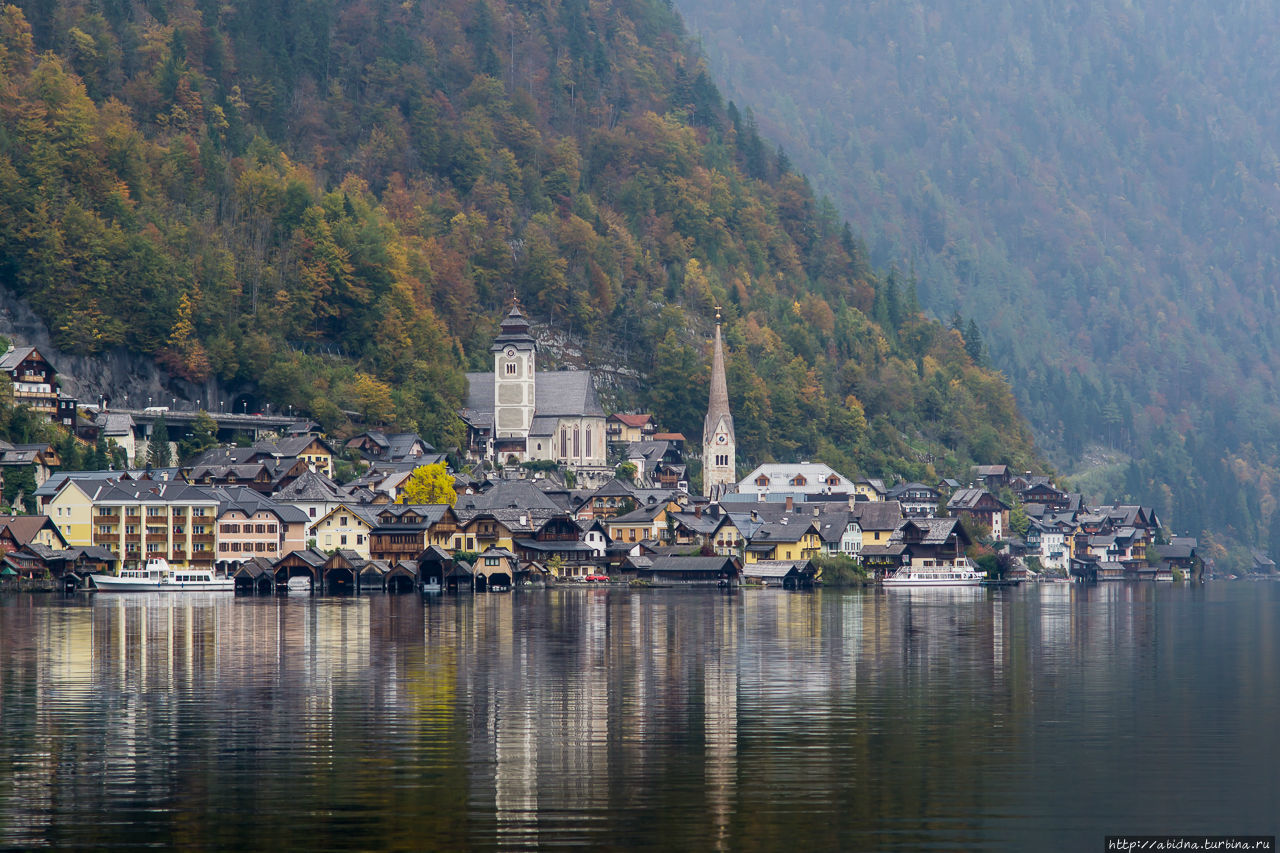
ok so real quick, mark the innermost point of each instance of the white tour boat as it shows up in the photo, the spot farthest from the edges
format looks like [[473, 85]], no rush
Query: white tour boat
[[157, 576], [908, 577]]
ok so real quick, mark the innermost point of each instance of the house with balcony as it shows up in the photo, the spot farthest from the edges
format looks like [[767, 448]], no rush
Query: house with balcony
[[982, 507], [35, 382], [932, 543], [622, 429], [404, 531], [917, 500]]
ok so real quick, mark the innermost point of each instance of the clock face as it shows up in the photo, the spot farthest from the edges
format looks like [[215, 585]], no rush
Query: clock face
[[721, 438], [510, 352]]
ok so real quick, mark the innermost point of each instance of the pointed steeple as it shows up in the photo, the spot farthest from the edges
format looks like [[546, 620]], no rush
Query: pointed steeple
[[719, 466], [718, 403]]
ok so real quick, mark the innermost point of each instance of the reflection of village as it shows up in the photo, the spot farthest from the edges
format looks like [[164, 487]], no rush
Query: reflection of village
[[560, 702]]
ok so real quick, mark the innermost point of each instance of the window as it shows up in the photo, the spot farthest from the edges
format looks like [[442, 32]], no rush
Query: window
[[762, 480], [312, 512], [342, 540], [359, 539], [260, 528], [799, 480], [341, 520], [271, 528]]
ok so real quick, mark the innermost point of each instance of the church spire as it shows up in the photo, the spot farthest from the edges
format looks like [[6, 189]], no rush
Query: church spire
[[719, 468]]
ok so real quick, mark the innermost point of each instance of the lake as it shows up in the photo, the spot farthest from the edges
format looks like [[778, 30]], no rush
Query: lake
[[1041, 717]]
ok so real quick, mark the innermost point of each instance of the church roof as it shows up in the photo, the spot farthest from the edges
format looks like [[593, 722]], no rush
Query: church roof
[[560, 393]]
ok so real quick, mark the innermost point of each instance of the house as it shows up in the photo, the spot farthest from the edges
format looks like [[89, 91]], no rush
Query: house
[[649, 522], [916, 499], [67, 499], [627, 428], [314, 493], [659, 464], [841, 534], [404, 530], [933, 542], [19, 531], [802, 478], [1049, 539], [870, 489], [348, 525], [609, 500], [595, 533], [1039, 490], [35, 382], [41, 458], [786, 539], [312, 449], [981, 507], [252, 525], [558, 541], [991, 476], [878, 520], [377, 446]]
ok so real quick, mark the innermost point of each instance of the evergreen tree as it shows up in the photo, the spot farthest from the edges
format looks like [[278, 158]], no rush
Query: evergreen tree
[[159, 454]]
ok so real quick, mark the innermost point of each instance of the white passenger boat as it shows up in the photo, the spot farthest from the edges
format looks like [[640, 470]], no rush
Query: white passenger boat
[[157, 576], [935, 576]]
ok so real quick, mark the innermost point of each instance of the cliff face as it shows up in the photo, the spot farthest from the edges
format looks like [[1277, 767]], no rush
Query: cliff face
[[126, 377]]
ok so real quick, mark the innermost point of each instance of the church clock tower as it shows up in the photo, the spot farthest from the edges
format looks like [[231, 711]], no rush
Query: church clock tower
[[719, 465], [514, 351]]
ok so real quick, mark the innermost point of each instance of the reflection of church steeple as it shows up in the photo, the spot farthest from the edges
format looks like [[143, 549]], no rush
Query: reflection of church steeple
[[718, 444]]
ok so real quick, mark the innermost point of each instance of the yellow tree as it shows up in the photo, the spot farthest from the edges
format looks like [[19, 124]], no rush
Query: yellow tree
[[429, 484]]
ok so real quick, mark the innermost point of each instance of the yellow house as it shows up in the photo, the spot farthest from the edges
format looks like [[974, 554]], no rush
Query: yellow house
[[346, 527], [787, 539], [872, 490], [649, 522], [71, 509]]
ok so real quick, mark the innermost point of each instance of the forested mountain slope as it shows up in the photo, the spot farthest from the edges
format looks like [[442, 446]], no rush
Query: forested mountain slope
[[335, 201], [1096, 182]]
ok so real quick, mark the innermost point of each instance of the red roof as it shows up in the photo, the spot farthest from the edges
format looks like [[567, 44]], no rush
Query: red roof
[[634, 420], [667, 436]]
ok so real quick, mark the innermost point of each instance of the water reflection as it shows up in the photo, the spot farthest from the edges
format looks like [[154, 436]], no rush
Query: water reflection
[[674, 719]]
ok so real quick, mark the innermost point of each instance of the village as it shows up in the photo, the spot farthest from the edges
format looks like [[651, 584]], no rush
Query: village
[[552, 490]]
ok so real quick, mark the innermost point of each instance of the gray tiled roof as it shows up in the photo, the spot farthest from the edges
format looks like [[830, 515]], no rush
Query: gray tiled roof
[[559, 393]]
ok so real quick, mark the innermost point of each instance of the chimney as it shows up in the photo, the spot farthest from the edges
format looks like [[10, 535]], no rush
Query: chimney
[[697, 511], [815, 512], [791, 504]]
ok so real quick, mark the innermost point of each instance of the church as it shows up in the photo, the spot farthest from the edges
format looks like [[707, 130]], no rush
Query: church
[[520, 414]]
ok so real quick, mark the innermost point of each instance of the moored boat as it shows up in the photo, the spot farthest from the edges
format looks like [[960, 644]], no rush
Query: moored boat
[[158, 576], [942, 576]]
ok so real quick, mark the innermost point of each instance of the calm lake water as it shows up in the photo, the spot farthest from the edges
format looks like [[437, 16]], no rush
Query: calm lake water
[[1036, 718]]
